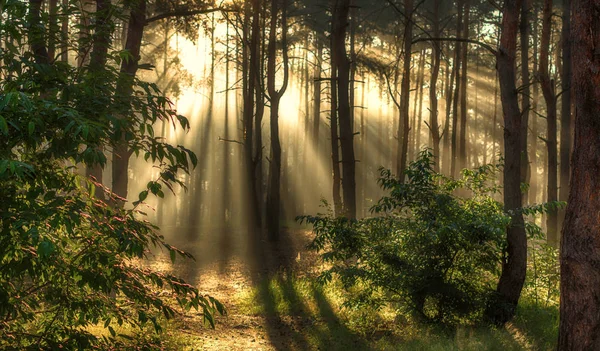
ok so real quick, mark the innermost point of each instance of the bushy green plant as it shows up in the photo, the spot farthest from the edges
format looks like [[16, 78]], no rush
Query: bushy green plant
[[425, 248], [68, 260]]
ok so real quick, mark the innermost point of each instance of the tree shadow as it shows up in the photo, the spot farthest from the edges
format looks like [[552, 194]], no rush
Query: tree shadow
[[296, 317]]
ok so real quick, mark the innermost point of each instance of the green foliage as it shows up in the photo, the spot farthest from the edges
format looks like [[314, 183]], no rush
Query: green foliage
[[427, 248], [69, 261]]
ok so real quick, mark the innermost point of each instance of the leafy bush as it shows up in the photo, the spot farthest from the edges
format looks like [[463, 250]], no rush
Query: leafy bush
[[426, 248], [69, 261]]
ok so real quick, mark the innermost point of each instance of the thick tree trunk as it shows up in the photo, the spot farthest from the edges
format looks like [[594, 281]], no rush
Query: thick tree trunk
[[580, 243], [514, 266], [403, 126], [565, 115], [551, 143]]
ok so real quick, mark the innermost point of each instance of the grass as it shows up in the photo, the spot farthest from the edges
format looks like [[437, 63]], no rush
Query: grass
[[325, 324]]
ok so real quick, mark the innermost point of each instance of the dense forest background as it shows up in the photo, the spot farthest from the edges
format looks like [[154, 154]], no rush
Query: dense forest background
[[424, 151]]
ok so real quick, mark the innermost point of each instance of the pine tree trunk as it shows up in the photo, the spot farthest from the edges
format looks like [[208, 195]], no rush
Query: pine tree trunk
[[551, 142], [403, 126], [514, 266], [565, 115], [434, 127], [525, 104], [580, 243], [462, 146], [340, 23]]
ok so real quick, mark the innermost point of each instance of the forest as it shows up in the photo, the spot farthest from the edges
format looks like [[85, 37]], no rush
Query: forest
[[299, 174]]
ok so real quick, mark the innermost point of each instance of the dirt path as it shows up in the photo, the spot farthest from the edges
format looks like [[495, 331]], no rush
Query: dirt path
[[241, 278]]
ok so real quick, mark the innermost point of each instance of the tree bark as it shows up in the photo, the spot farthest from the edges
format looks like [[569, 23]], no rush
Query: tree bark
[[565, 115], [462, 146], [403, 126], [339, 56], [580, 243], [514, 266], [525, 81], [436, 55], [121, 153], [274, 185], [550, 97]]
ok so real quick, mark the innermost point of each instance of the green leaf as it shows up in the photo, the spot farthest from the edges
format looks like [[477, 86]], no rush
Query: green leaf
[[112, 331], [3, 126], [45, 248], [30, 127]]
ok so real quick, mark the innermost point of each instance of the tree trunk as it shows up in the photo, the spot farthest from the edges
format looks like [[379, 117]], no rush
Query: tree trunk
[[121, 153], [457, 81], [550, 98], [436, 55], [580, 243], [317, 92], [274, 185], [403, 127], [565, 115], [462, 146], [338, 49], [525, 104], [514, 266]]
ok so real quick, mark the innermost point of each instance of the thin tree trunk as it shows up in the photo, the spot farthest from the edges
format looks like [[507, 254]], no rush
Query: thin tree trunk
[[525, 104], [550, 98], [462, 146], [274, 185], [317, 92], [403, 126], [565, 115], [434, 127], [338, 34], [457, 90]]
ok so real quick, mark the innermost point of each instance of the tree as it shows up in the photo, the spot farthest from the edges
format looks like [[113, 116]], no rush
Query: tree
[[403, 125], [274, 188], [550, 97], [69, 258], [433, 100], [342, 65], [580, 243], [514, 266], [565, 114]]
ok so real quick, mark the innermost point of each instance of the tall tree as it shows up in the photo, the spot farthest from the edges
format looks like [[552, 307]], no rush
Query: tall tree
[[565, 115], [525, 97], [514, 266], [274, 186], [580, 243], [436, 55], [342, 64], [550, 98], [462, 146], [403, 117]]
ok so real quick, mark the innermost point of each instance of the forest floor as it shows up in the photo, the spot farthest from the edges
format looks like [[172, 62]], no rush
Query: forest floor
[[274, 303]]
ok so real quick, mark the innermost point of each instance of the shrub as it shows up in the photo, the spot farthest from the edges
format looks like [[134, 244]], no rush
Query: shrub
[[425, 248]]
